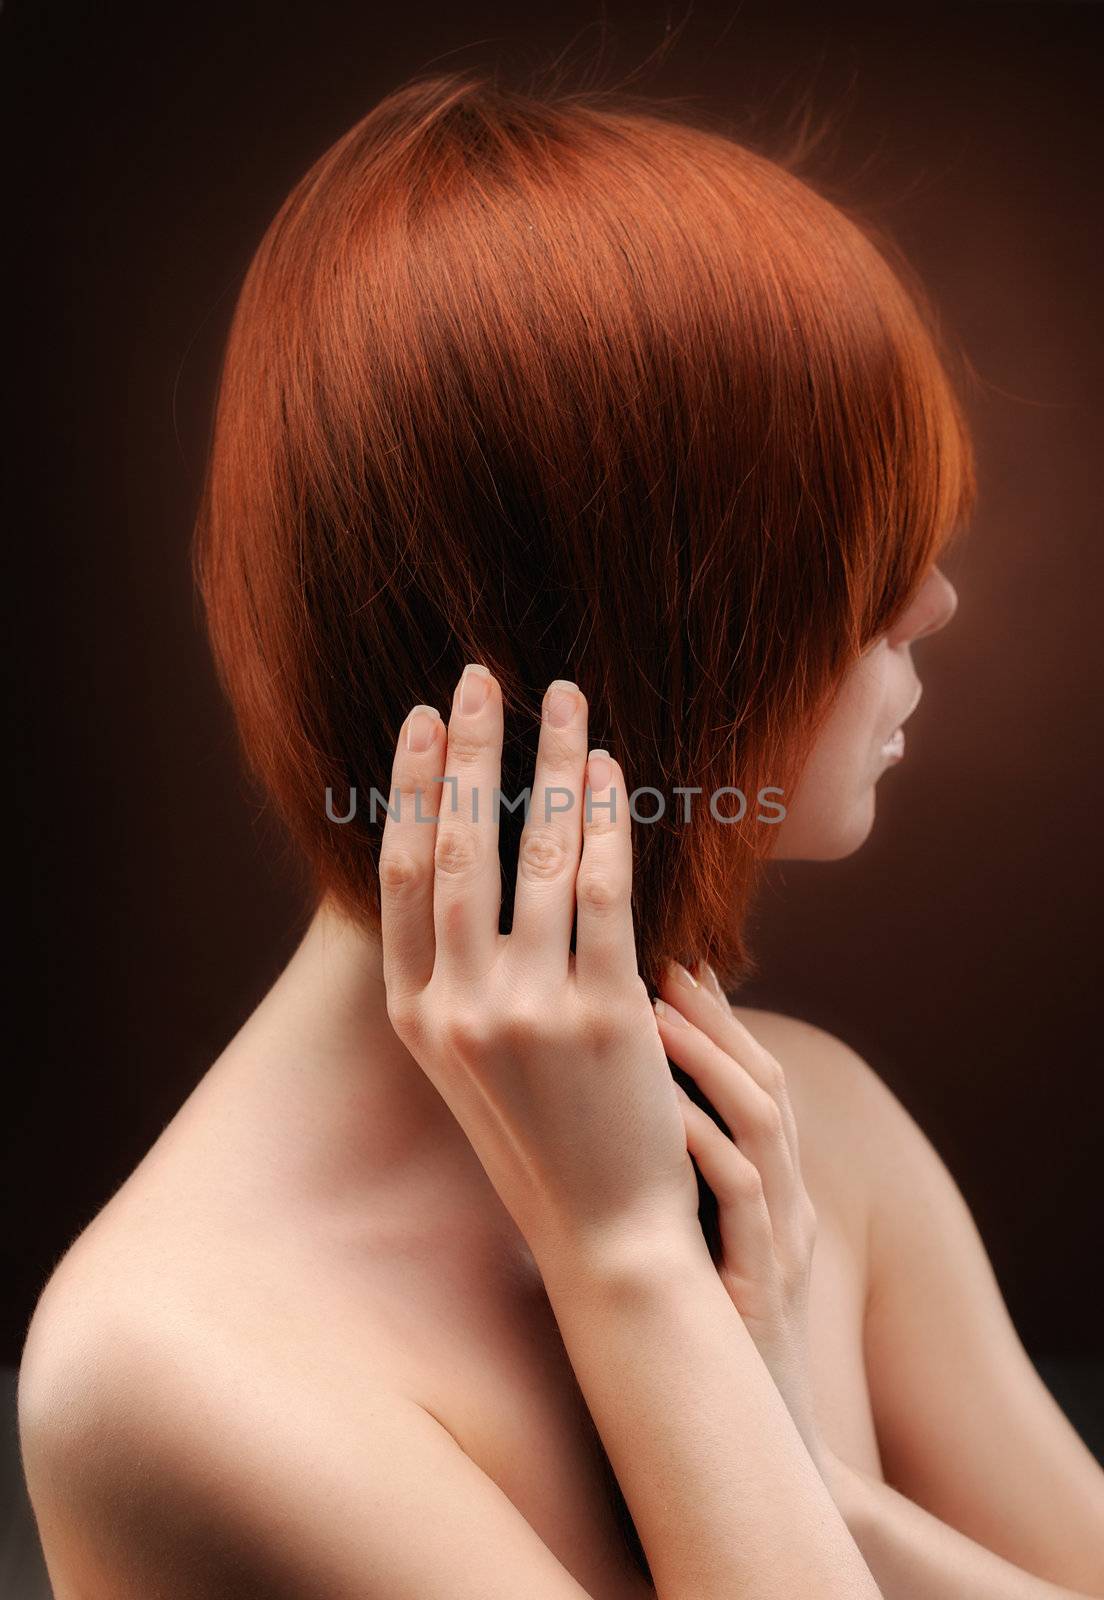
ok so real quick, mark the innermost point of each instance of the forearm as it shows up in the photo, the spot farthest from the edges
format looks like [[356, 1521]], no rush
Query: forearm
[[721, 1488], [915, 1556]]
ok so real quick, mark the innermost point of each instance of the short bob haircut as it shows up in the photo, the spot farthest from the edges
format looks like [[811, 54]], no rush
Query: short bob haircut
[[578, 388]]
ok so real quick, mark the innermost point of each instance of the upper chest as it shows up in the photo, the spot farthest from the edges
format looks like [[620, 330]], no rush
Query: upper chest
[[484, 1349], [455, 1318], [470, 1336], [476, 1343]]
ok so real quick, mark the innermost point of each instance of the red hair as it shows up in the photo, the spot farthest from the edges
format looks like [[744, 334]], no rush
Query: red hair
[[572, 387]]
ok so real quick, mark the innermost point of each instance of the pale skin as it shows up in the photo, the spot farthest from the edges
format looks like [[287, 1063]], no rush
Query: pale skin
[[324, 1340]]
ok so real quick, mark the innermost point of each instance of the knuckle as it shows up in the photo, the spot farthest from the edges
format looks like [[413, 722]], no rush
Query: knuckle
[[466, 747], [558, 752], [542, 854], [768, 1118], [632, 995], [398, 1011], [775, 1078], [456, 851], [747, 1181], [601, 1027], [465, 1032], [404, 1015], [597, 823], [597, 890], [521, 1026], [398, 871]]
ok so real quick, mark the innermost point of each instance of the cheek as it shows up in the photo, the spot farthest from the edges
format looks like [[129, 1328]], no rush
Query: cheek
[[860, 710], [841, 757], [832, 808]]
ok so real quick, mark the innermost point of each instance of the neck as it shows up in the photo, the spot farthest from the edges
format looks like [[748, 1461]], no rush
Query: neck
[[330, 1007]]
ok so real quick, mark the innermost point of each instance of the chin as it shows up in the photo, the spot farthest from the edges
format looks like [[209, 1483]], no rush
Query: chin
[[830, 834]]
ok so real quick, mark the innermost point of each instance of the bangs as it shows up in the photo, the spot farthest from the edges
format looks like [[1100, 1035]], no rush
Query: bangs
[[807, 342], [891, 448], [922, 483]]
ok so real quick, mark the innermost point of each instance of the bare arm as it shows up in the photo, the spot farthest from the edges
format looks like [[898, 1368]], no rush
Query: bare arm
[[968, 1429], [722, 1490], [990, 1490], [553, 1064], [914, 1556]]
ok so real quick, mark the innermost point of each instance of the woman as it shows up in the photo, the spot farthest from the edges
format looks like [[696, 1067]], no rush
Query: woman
[[639, 431]]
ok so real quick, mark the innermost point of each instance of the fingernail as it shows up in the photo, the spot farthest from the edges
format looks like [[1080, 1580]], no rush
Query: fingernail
[[669, 1014], [599, 770], [562, 702], [683, 976], [421, 727], [475, 686], [712, 982]]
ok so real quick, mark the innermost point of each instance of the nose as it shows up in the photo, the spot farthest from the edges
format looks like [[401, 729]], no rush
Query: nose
[[943, 605], [933, 607]]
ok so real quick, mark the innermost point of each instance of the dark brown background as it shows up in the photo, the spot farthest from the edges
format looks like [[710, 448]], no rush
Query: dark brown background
[[959, 950]]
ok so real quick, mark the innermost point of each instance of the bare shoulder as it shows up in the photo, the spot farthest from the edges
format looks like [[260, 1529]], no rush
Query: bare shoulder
[[818, 1065], [161, 1464], [854, 1132], [87, 1417], [111, 1405]]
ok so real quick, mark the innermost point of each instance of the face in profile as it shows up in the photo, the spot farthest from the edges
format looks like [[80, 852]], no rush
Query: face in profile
[[831, 811]]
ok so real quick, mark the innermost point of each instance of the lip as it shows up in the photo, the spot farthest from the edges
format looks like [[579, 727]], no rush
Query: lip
[[894, 747]]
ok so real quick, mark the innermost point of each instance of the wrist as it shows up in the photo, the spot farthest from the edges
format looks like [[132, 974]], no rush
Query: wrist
[[626, 1254]]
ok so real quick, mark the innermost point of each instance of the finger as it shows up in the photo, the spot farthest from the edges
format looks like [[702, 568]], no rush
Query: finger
[[548, 854], [467, 890], [749, 1111], [605, 950], [406, 853], [742, 1212], [710, 1011]]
